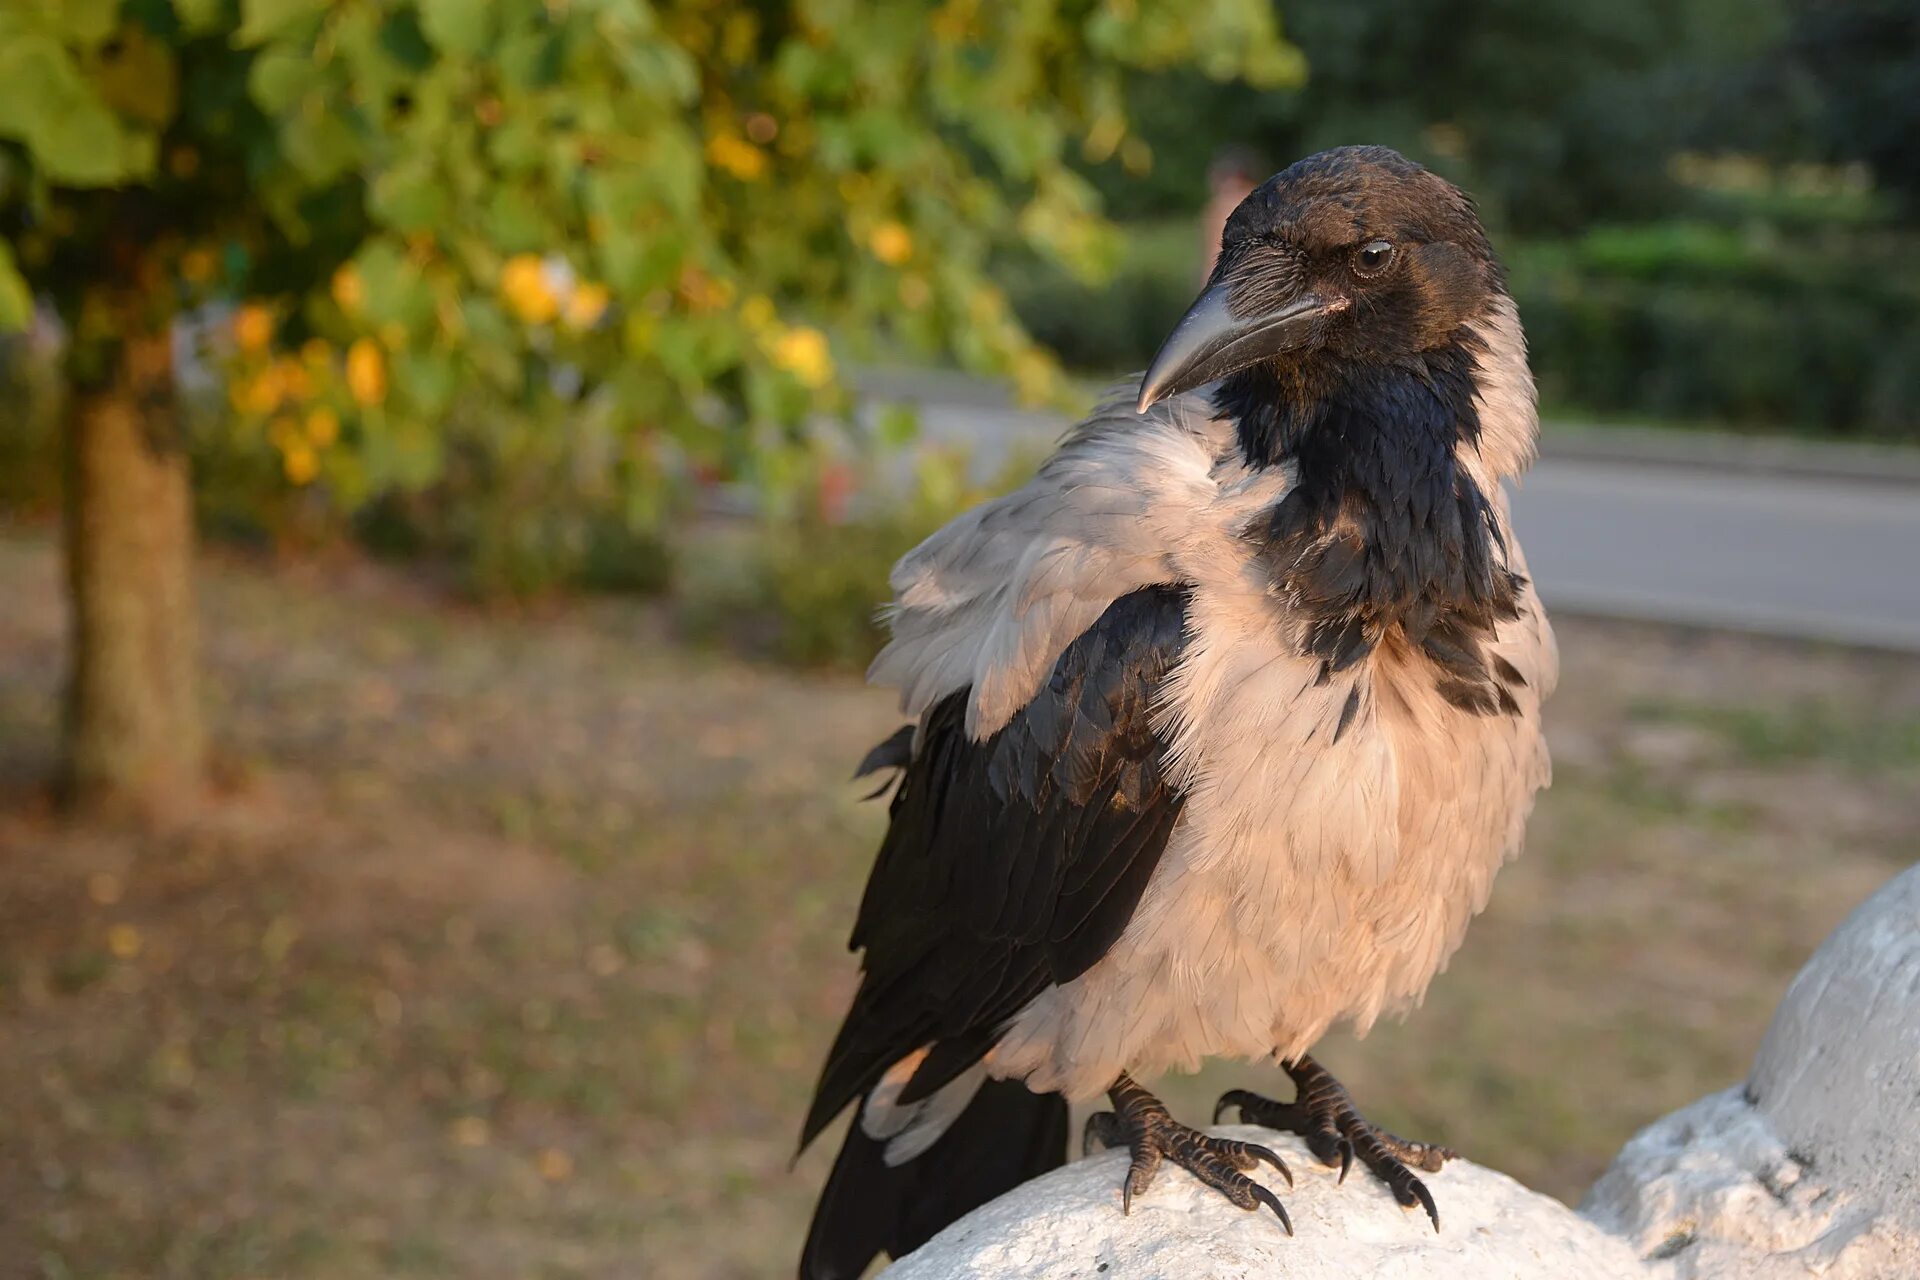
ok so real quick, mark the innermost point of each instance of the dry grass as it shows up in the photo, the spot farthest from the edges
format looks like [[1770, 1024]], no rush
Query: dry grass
[[513, 942]]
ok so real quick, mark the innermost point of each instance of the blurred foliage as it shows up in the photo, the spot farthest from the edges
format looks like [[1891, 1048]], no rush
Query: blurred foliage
[[806, 587], [1739, 326], [581, 253], [1843, 84], [1116, 326], [1553, 112], [29, 460]]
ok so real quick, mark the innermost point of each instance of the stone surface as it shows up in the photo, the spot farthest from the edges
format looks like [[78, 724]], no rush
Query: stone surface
[[1839, 1070], [1069, 1224], [1813, 1168], [1712, 1192]]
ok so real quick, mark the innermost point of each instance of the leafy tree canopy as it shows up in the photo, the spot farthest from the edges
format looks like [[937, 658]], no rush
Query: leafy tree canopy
[[652, 227]]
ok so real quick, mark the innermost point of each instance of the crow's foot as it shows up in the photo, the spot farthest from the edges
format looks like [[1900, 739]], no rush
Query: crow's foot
[[1323, 1113], [1141, 1123]]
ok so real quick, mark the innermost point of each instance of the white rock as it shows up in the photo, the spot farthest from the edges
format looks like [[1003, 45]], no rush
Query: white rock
[[1839, 1070], [1069, 1224], [1813, 1168]]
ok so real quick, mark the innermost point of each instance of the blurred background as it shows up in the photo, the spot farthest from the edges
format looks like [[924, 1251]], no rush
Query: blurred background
[[450, 453]]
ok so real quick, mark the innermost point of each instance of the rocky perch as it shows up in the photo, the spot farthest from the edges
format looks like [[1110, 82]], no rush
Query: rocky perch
[[1811, 1168]]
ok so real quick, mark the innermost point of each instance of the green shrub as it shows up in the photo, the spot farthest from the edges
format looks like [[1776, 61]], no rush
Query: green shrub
[[807, 588], [1116, 326], [1726, 335]]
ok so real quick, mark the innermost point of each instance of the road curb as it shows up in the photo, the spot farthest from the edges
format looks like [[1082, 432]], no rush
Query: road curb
[[1726, 453]]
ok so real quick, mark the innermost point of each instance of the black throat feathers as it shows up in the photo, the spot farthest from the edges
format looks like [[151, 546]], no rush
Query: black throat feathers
[[1383, 529]]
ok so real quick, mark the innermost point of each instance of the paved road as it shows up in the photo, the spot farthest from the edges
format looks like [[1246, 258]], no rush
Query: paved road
[[1687, 536], [1798, 555]]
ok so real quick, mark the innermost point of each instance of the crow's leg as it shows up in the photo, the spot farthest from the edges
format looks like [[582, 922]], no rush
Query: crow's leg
[[1324, 1114], [1141, 1123]]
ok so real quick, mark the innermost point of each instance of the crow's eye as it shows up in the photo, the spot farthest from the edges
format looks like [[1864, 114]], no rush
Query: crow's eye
[[1371, 258]]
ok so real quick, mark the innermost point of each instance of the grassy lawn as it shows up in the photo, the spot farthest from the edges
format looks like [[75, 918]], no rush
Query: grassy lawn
[[514, 941]]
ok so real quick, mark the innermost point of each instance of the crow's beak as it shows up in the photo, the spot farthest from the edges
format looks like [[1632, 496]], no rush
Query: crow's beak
[[1211, 342]]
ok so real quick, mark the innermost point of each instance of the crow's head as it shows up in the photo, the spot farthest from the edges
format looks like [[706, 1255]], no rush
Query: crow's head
[[1351, 258]]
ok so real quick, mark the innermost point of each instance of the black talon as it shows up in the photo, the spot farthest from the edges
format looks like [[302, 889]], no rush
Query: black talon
[[1324, 1114], [1426, 1202], [1272, 1157], [1152, 1135], [1272, 1202]]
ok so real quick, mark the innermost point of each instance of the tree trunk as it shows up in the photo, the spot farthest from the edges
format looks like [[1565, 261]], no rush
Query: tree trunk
[[134, 737]]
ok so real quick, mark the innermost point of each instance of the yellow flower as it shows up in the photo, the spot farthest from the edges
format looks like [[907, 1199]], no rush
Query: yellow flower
[[259, 395], [253, 327], [300, 463], [585, 307], [323, 426], [737, 156], [757, 312], [316, 352], [197, 265], [803, 353], [523, 283], [295, 382], [124, 941], [348, 290], [366, 373], [892, 243]]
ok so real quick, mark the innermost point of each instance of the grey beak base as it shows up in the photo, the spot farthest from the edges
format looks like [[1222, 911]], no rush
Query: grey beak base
[[1210, 342]]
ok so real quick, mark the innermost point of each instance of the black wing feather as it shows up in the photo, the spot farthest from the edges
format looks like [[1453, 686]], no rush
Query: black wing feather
[[1012, 864]]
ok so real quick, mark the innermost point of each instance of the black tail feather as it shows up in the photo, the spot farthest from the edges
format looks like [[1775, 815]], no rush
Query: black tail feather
[[1006, 1135]]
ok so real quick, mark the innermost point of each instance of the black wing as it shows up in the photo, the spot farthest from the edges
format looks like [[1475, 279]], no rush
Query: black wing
[[1011, 865]]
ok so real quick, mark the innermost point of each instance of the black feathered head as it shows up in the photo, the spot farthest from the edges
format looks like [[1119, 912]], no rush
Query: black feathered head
[[1354, 255]]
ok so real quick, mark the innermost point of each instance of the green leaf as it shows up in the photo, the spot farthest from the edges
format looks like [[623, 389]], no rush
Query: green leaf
[[458, 27], [427, 379], [16, 300], [198, 17], [517, 223], [410, 197], [264, 20], [71, 133], [87, 22], [280, 77], [395, 290], [319, 145], [83, 147]]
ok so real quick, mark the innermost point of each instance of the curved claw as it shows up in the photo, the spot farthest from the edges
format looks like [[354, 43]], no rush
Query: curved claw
[[1425, 1197], [1272, 1157], [1272, 1202], [1346, 1159]]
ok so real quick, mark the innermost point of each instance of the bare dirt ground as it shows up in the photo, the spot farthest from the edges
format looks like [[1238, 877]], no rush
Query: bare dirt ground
[[511, 943]]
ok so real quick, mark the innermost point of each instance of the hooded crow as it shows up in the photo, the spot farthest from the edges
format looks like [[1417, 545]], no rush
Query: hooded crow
[[1222, 725]]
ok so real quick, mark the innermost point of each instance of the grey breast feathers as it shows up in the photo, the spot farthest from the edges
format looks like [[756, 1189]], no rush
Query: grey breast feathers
[[993, 599]]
